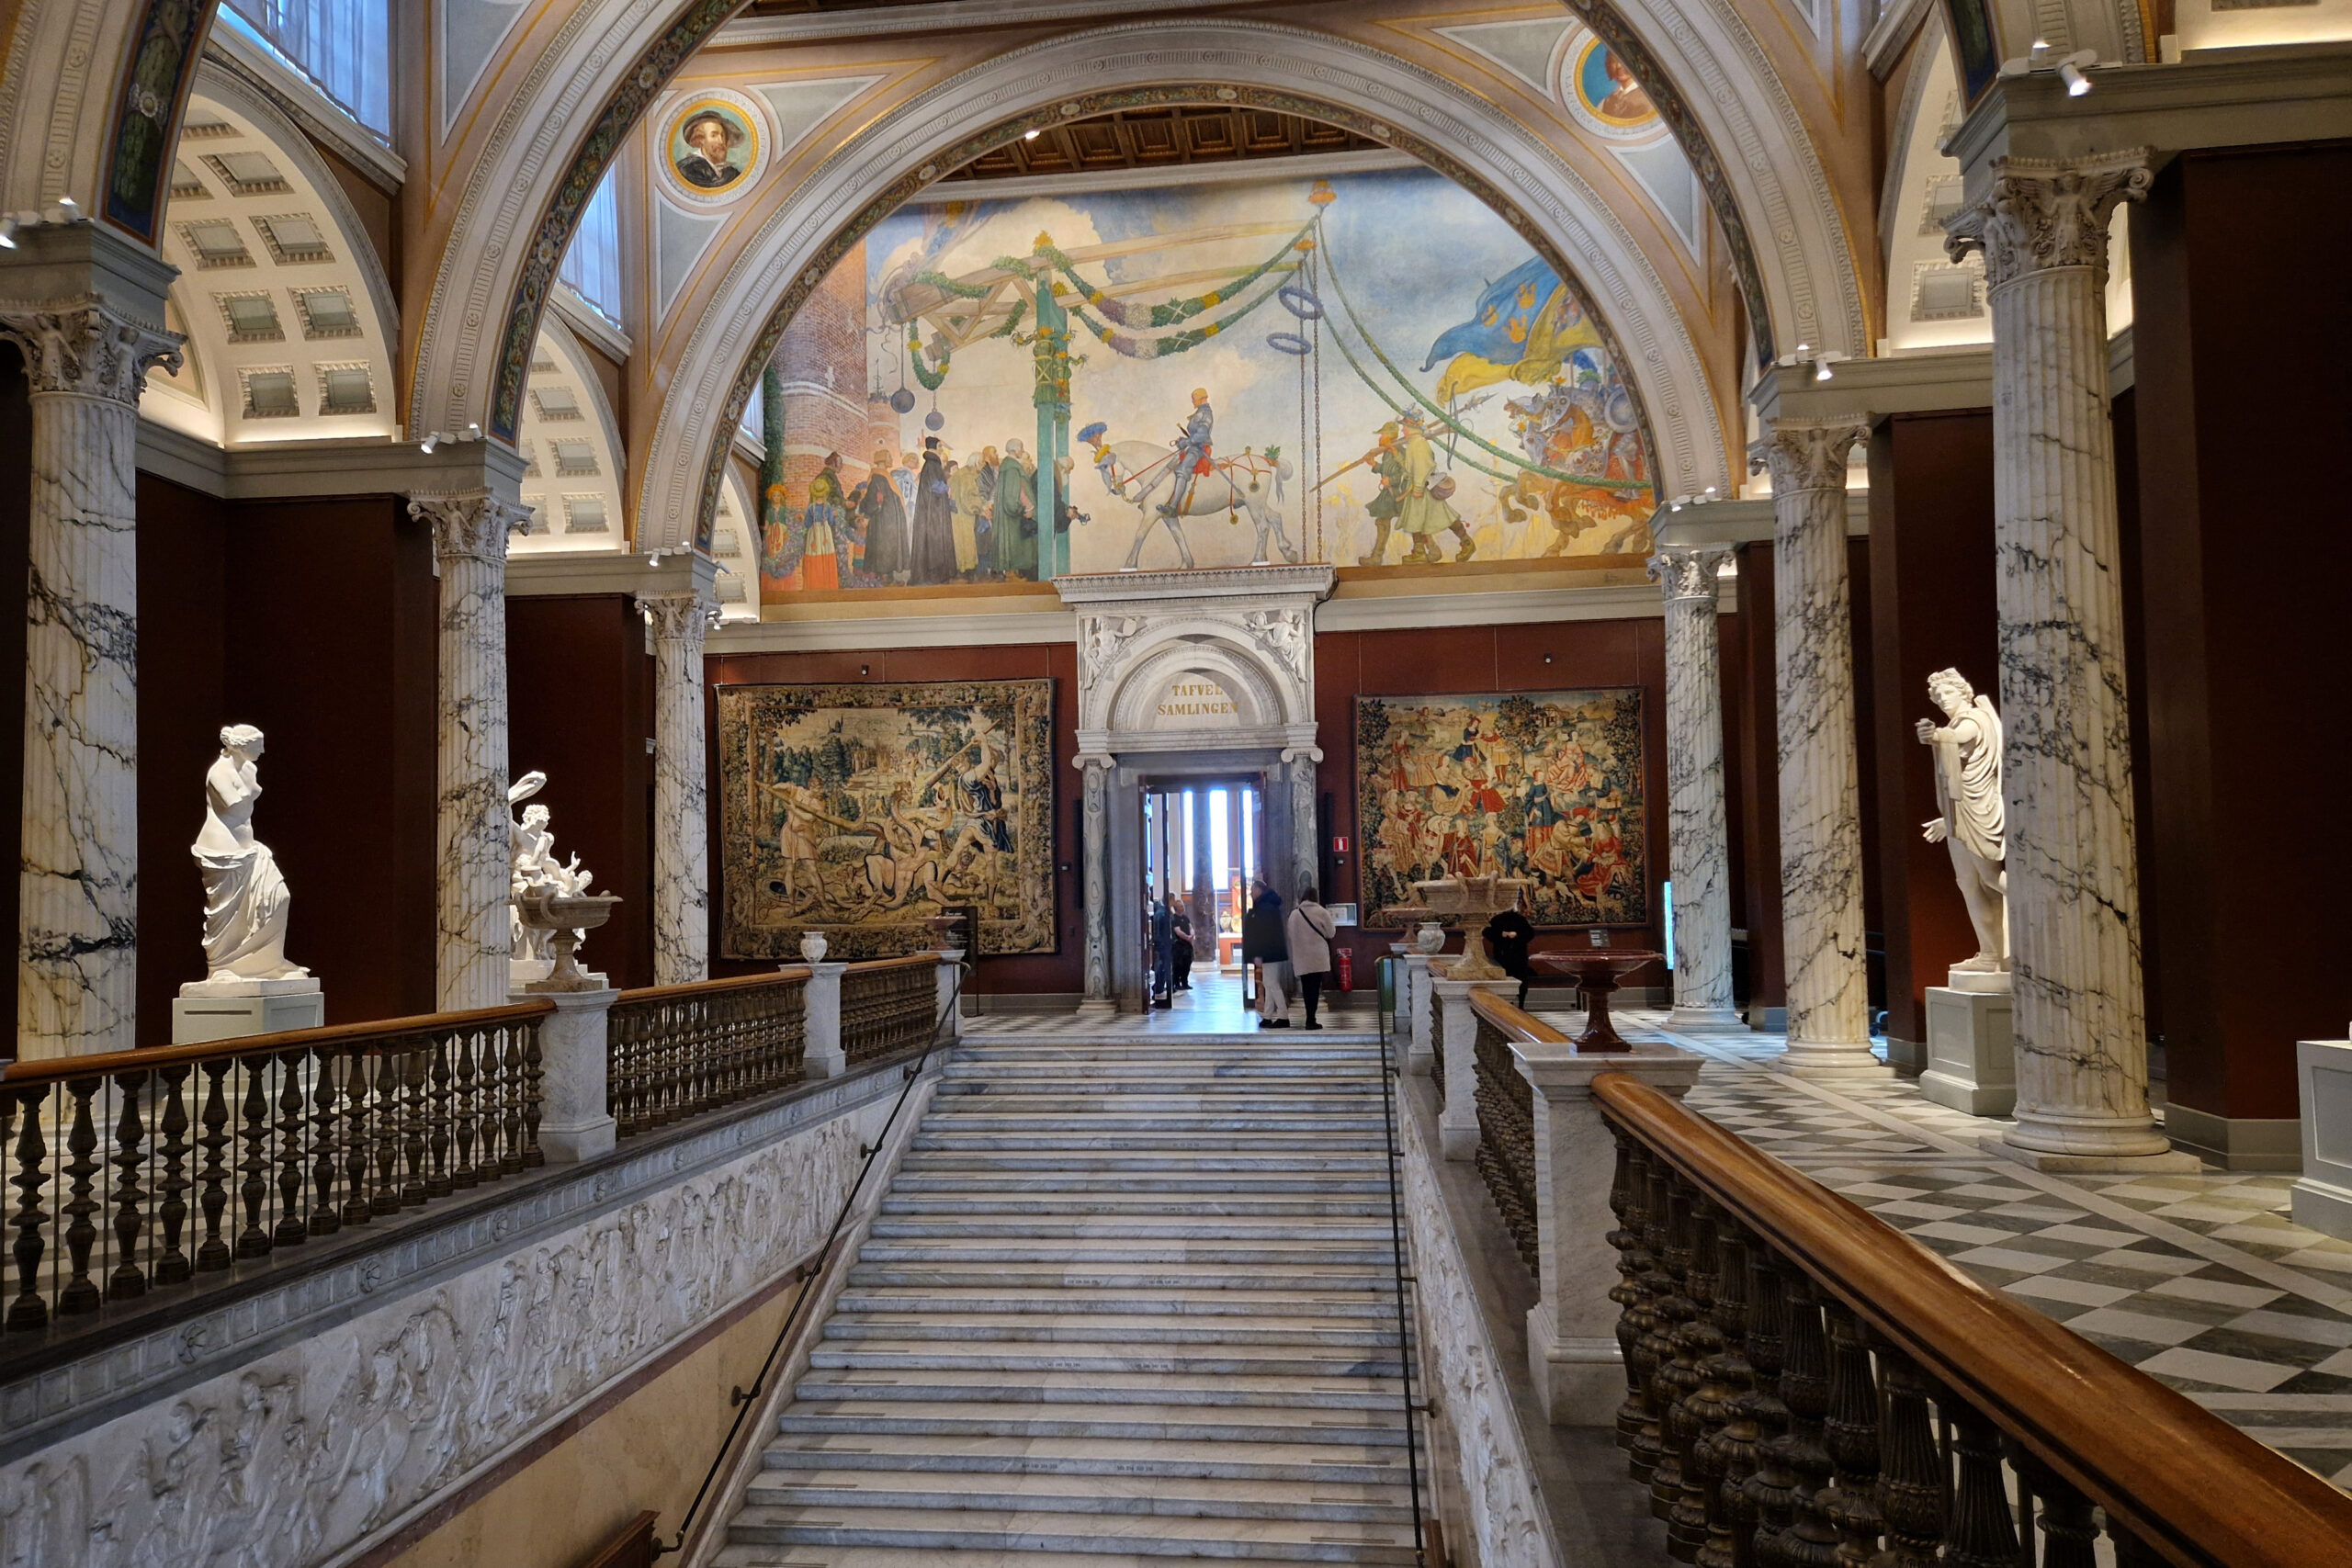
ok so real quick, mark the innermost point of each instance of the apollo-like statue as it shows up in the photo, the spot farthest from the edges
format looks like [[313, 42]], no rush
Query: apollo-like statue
[[1968, 788]]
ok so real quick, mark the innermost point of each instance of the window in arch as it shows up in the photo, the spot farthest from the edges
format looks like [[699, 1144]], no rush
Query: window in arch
[[592, 263], [344, 46]]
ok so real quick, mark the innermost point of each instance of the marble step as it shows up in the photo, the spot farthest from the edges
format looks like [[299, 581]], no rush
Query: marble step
[[852, 1421], [1082, 1252], [1031, 1361], [1212, 1144], [1198, 1276], [989, 1530], [1335, 1464], [920, 1162], [1184, 1056], [760, 1555], [885, 1328], [971, 1061], [945, 1176], [1099, 1124], [1321, 1230], [1070, 1204], [1062, 1301], [1130, 1496], [1003, 1386]]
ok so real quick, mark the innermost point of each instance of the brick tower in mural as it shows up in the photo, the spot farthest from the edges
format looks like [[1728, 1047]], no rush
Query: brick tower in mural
[[823, 363]]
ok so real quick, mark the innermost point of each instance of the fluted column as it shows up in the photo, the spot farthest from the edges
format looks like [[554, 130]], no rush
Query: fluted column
[[1304, 820], [2082, 1051], [678, 623], [1203, 893], [472, 938], [1697, 840], [1821, 828], [1096, 771], [77, 886]]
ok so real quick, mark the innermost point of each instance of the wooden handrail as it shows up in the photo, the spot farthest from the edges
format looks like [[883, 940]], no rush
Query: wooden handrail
[[875, 965], [711, 987], [2185, 1481], [631, 1546], [1517, 1024], [63, 1069]]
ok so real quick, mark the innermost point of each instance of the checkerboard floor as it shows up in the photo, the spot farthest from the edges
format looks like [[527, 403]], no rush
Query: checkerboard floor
[[2201, 1280]]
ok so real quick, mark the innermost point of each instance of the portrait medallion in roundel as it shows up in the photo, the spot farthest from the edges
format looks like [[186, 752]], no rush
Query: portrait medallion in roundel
[[714, 147], [1603, 94]]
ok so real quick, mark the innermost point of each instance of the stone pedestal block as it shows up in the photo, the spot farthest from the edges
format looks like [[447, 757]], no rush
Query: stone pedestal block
[[2323, 1196], [822, 1055], [1413, 1010], [1458, 1123], [200, 1020], [1572, 1350], [1971, 1052], [573, 1123], [949, 1008]]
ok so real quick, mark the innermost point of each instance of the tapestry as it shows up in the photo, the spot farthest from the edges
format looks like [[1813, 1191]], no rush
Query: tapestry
[[1372, 369], [1545, 785], [859, 811]]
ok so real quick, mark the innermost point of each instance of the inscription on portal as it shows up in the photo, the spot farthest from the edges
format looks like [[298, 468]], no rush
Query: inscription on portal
[[1194, 702]]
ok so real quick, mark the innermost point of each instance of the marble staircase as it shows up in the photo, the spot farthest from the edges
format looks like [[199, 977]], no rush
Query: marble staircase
[[1126, 1300]]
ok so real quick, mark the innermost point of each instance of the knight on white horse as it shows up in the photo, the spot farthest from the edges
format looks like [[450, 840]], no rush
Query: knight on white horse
[[1137, 471]]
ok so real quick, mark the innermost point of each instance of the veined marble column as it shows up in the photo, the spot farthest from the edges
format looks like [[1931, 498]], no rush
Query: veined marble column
[[678, 623], [1305, 820], [2082, 1048], [77, 886], [1825, 945], [473, 940], [1697, 840], [1203, 893], [1096, 771]]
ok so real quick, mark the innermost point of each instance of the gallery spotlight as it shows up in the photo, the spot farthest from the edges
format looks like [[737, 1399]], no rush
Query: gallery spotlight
[[2076, 82], [8, 233]]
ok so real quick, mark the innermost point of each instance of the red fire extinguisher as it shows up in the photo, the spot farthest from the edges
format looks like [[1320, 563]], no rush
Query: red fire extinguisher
[[1343, 968]]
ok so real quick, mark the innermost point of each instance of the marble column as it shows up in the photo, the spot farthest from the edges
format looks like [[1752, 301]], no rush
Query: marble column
[[1204, 889], [678, 623], [1095, 883], [1826, 946], [2082, 1051], [472, 938], [77, 887], [1698, 839], [1306, 819]]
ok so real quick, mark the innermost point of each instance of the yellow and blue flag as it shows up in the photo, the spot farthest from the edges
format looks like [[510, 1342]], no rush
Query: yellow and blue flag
[[1526, 324]]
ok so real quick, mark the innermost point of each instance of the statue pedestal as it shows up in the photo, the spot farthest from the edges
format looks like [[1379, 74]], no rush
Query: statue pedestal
[[205, 1010], [1971, 1048], [2323, 1196]]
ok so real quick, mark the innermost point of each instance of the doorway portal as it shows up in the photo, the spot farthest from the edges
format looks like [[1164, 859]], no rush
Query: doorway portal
[[1204, 843]]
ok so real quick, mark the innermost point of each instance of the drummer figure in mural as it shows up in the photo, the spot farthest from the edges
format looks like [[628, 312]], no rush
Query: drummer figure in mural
[[1192, 455]]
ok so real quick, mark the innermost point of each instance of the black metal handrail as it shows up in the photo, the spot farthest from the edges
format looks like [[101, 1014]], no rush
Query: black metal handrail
[[1396, 1254], [744, 1399]]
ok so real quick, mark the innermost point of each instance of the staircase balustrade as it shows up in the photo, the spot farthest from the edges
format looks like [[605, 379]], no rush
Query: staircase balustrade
[[887, 1006], [1807, 1385], [141, 1170], [1506, 1157], [678, 1051]]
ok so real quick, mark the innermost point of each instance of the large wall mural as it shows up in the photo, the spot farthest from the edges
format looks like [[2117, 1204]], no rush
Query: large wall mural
[[861, 810], [1372, 369], [1545, 785]]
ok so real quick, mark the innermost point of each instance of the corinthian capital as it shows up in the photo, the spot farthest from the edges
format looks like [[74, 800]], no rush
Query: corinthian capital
[[469, 525], [680, 616], [1688, 571], [2047, 212], [83, 347], [1806, 455]]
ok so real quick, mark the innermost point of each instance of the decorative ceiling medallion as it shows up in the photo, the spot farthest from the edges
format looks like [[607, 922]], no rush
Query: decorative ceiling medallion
[[1598, 87], [715, 143]]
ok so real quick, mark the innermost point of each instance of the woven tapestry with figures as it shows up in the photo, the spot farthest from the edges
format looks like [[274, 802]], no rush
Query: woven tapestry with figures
[[859, 811], [1546, 785]]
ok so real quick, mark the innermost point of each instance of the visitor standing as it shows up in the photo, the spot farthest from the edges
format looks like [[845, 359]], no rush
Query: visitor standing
[[1183, 926], [1163, 956], [1508, 936], [1262, 943], [1309, 930]]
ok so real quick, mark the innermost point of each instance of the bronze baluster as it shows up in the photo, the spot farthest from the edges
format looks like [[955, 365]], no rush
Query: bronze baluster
[[129, 1280], [2131, 1551], [390, 1123], [1850, 1435], [416, 1118], [1984, 1531], [2069, 1529], [291, 1228], [510, 1094], [1914, 1483], [1626, 1197], [1726, 1455], [172, 1267], [326, 1149], [28, 1311], [440, 1116], [465, 1113], [362, 1112], [1701, 1412], [252, 1240], [1658, 1337], [1809, 1541], [80, 1293], [1759, 1412], [1677, 1372], [1771, 1493], [214, 1253], [533, 1159]]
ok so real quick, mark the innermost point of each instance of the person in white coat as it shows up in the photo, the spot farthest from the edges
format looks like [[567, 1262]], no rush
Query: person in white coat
[[1309, 930]]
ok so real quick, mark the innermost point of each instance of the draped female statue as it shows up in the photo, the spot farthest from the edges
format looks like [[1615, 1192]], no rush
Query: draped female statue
[[1967, 748], [245, 899]]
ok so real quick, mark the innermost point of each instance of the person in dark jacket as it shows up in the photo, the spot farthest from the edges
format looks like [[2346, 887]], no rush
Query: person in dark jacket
[[1262, 943], [1508, 936], [1181, 925], [1163, 955]]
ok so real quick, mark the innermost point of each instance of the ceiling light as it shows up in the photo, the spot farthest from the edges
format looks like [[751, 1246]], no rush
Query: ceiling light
[[430, 442], [8, 233], [2076, 82], [1821, 370], [69, 203], [473, 433], [1028, 136]]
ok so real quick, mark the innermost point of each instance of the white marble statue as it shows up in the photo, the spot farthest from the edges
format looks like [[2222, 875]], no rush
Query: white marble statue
[[245, 899], [1968, 787], [534, 863]]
